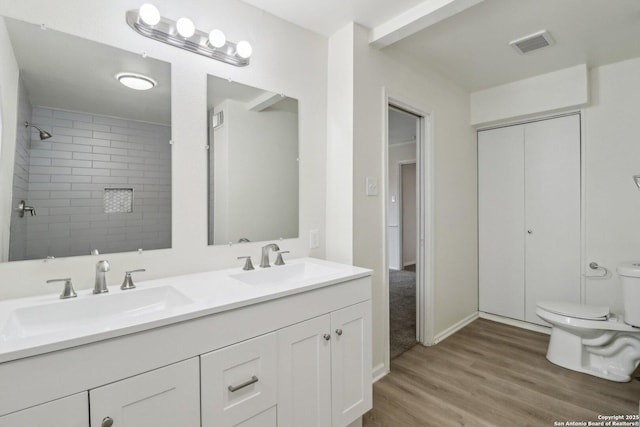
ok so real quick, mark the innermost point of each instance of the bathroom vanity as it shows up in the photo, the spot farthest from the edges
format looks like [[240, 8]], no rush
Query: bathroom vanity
[[284, 346]]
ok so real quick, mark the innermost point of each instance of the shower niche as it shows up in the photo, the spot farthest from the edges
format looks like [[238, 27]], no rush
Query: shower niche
[[84, 146]]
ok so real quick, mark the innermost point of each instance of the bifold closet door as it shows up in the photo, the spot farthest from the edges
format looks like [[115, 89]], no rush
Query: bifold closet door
[[501, 221], [552, 200]]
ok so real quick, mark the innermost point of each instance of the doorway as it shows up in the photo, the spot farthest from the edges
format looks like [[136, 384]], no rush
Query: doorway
[[402, 228]]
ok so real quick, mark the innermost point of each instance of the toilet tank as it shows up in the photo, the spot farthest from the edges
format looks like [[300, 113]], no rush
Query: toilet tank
[[630, 275]]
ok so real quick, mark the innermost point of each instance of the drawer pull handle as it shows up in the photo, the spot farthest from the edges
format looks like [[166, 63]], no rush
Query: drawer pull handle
[[247, 383], [107, 422], [339, 332]]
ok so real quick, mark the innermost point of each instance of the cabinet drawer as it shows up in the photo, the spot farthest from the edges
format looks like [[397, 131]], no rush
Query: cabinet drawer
[[238, 382]]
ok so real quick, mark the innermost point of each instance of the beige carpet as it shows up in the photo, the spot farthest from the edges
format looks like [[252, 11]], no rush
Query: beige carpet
[[402, 311]]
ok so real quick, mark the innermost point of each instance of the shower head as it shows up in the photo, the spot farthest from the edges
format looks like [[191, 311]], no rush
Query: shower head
[[43, 133]]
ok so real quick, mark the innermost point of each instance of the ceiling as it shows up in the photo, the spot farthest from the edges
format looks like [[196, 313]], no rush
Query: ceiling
[[471, 47], [328, 16], [219, 90], [69, 73]]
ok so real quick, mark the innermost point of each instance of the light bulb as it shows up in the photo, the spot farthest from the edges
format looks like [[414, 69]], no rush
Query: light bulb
[[217, 38], [185, 27], [149, 14], [244, 49]]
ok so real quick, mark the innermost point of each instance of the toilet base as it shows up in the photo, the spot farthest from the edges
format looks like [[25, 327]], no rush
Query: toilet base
[[611, 356], [596, 373]]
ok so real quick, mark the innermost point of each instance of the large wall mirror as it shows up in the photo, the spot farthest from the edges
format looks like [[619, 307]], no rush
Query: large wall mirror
[[92, 170], [253, 163]]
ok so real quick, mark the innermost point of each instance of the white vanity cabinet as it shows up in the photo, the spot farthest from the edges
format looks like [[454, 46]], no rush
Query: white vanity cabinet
[[325, 369], [71, 411], [165, 397], [288, 357]]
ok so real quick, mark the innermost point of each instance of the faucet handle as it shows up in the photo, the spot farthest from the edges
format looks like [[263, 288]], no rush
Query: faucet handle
[[128, 280], [248, 265], [68, 291], [279, 260]]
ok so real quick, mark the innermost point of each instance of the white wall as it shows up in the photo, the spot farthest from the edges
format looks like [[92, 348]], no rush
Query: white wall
[[455, 178], [547, 92], [8, 121], [20, 190], [340, 124], [259, 173], [273, 67], [409, 215], [397, 154], [611, 146]]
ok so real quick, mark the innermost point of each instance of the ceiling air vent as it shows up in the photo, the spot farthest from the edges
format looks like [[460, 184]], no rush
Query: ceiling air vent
[[532, 42]]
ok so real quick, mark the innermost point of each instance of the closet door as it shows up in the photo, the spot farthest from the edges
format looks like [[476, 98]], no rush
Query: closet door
[[501, 221], [552, 198]]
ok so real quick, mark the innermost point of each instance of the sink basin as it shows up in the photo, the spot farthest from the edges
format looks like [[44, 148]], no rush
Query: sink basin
[[96, 313], [286, 274]]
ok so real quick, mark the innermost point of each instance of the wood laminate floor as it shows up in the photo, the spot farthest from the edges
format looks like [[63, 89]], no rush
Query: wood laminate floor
[[491, 374]]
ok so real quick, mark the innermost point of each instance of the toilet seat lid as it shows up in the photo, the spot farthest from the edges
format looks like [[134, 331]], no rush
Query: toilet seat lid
[[581, 311]]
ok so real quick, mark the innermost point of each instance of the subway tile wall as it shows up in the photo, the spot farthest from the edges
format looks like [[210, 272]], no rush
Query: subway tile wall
[[69, 172]]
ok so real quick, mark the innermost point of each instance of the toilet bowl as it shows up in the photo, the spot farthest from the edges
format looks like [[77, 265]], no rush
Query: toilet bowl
[[592, 340]]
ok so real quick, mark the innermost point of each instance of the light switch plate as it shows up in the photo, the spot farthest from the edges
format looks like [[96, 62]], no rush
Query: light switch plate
[[372, 186], [314, 239]]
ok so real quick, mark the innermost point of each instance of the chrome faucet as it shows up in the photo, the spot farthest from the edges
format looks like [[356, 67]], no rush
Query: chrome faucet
[[101, 281], [264, 261]]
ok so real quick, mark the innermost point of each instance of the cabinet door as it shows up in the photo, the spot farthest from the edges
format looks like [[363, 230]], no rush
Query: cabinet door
[[304, 371], [239, 382], [552, 189], [165, 397], [72, 411], [501, 221], [351, 381]]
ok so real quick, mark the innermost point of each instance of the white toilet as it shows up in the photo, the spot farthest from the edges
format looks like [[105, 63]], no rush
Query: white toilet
[[592, 340]]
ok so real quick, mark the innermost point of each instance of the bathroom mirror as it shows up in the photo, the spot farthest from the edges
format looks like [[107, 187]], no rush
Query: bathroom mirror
[[253, 163], [92, 169]]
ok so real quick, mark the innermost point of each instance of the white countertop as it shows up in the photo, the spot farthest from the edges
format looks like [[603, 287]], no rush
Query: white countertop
[[193, 296]]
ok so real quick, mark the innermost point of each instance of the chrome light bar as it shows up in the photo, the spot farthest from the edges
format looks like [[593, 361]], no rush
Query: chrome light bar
[[166, 31]]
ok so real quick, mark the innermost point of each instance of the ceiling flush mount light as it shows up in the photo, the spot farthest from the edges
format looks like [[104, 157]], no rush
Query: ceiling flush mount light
[[183, 34], [136, 81]]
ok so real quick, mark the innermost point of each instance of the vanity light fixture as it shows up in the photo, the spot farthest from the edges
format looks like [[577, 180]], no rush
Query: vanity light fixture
[[636, 179], [183, 34], [136, 81]]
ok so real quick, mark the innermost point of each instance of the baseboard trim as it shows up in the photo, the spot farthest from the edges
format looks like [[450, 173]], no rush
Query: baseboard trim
[[517, 323], [455, 328], [379, 372]]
